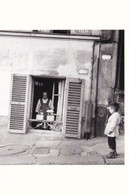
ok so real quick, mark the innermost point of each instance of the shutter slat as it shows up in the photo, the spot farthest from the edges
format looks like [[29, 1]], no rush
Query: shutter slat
[[17, 118], [72, 127], [72, 116], [71, 131], [73, 112], [70, 104], [72, 120], [73, 97]]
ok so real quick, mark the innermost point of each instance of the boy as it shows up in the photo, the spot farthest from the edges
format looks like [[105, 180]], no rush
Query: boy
[[112, 128]]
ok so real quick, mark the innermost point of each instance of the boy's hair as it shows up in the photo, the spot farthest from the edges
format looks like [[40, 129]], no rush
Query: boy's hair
[[115, 106]]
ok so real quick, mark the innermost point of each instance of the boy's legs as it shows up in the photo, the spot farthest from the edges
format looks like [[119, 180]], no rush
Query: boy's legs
[[112, 146], [115, 146]]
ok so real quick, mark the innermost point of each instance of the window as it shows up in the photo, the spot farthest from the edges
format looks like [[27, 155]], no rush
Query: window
[[27, 90], [55, 90], [62, 32]]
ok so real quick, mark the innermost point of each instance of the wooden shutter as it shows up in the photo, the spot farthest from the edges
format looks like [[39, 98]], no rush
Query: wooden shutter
[[73, 111], [18, 104]]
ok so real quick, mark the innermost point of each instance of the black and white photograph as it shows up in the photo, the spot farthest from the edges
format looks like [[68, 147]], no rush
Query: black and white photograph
[[62, 97]]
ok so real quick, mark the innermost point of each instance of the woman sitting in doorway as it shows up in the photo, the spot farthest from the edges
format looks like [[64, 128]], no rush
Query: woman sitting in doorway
[[43, 105]]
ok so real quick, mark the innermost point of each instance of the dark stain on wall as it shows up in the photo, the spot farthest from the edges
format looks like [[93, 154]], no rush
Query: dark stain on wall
[[51, 58], [81, 57]]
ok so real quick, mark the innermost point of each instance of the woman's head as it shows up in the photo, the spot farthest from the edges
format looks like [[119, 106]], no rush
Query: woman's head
[[44, 94]]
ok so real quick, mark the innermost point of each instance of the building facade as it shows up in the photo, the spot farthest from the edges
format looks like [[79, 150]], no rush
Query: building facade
[[80, 70]]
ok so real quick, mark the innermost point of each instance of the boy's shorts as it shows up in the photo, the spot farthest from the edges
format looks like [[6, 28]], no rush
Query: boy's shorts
[[112, 142]]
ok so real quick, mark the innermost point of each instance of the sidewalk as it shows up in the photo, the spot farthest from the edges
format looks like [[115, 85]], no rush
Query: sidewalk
[[41, 148]]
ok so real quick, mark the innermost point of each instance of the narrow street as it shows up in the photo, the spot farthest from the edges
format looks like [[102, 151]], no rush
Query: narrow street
[[39, 148]]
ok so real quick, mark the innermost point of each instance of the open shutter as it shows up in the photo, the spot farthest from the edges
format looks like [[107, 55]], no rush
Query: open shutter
[[18, 104], [73, 112]]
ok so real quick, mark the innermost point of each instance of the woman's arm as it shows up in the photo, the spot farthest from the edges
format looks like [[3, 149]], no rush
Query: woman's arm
[[38, 106], [51, 105]]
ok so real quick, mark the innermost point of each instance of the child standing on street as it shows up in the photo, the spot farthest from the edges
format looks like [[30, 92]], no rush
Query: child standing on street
[[112, 128]]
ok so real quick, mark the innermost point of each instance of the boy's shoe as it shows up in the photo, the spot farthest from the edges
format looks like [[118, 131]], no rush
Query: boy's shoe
[[111, 155], [115, 153]]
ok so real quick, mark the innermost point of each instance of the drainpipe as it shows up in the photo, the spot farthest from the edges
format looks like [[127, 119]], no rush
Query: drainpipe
[[97, 79], [92, 68]]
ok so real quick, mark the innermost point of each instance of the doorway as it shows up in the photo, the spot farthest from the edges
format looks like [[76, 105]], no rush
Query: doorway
[[55, 90]]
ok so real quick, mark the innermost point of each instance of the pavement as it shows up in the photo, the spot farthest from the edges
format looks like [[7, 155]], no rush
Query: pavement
[[50, 148]]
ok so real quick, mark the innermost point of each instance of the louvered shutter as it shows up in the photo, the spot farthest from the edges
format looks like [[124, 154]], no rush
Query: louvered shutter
[[73, 112], [18, 104]]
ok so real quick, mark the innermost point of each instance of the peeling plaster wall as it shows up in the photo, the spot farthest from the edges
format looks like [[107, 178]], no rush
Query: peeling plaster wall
[[5, 78], [43, 56]]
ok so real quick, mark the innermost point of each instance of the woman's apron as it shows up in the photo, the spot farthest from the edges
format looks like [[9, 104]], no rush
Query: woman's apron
[[44, 107]]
